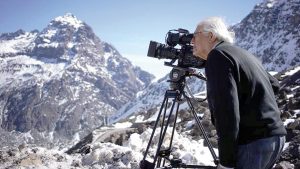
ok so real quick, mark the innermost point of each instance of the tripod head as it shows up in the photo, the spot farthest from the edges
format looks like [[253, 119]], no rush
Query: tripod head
[[178, 76]]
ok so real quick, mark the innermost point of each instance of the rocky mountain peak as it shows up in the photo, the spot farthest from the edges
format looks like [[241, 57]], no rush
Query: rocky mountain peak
[[62, 38], [68, 20]]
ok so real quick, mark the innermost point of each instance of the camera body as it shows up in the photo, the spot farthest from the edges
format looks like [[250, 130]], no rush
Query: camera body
[[184, 54]]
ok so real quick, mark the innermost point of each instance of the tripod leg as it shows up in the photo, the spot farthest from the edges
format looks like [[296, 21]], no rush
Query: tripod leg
[[173, 131], [161, 136], [164, 131], [163, 119], [154, 128], [202, 130], [174, 125]]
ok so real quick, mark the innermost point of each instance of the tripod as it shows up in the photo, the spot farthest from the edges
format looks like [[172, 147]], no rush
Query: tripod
[[177, 85]]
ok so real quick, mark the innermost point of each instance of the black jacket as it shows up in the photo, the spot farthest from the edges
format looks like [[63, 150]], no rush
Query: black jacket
[[241, 100]]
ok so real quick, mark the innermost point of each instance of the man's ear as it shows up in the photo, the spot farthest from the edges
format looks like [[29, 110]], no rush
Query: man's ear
[[212, 37]]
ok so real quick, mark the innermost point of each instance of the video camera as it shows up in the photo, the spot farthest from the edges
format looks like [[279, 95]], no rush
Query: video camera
[[184, 54]]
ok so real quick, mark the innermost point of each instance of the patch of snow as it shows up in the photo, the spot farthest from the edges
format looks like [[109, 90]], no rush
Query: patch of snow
[[18, 44], [91, 69], [139, 118], [123, 125], [287, 121], [69, 19], [48, 45], [289, 96], [291, 72]]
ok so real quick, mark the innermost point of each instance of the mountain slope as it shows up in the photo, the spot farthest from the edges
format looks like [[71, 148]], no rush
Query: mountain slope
[[62, 82], [148, 103], [272, 32]]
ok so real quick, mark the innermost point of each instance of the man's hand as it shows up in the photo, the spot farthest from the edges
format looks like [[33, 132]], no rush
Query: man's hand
[[223, 167]]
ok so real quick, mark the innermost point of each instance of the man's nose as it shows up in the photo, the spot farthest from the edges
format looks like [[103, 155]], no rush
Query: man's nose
[[193, 40]]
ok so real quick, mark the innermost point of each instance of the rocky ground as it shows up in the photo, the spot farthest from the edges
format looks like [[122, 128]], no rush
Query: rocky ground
[[289, 104]]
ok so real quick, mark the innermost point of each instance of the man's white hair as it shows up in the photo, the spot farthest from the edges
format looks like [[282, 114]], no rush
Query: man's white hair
[[218, 28]]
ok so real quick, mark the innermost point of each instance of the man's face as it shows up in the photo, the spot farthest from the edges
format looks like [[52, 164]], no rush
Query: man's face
[[200, 41]]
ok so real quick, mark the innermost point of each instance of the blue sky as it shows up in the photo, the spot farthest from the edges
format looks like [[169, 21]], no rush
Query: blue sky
[[128, 25]]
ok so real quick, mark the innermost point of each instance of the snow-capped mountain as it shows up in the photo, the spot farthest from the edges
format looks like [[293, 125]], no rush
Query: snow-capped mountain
[[272, 32], [150, 99], [62, 82]]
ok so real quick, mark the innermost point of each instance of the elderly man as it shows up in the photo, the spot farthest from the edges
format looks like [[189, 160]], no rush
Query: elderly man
[[241, 99]]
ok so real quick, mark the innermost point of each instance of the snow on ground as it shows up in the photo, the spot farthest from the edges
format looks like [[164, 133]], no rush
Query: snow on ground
[[190, 151], [36, 157], [291, 72], [107, 155]]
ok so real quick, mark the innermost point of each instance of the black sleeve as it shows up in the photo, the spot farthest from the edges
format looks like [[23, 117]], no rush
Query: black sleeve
[[223, 101]]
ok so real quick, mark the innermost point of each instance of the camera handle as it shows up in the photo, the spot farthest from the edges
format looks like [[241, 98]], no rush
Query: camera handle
[[161, 156]]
